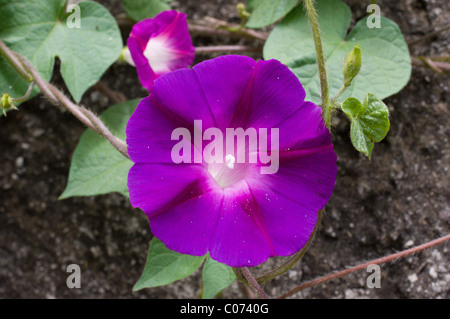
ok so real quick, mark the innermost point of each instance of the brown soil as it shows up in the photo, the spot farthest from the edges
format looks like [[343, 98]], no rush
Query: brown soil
[[398, 199]]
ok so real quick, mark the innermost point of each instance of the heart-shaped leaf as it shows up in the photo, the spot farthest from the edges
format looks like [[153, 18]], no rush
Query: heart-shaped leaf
[[386, 63], [165, 266], [39, 31], [216, 277], [97, 167], [370, 122], [141, 9], [266, 12]]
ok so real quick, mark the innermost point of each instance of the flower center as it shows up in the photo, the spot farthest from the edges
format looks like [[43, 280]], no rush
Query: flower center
[[229, 172], [230, 160], [159, 55]]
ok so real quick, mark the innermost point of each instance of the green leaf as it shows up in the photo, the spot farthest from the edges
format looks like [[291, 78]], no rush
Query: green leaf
[[266, 12], [370, 122], [352, 107], [165, 266], [386, 63], [97, 167], [142, 9], [216, 277], [39, 31]]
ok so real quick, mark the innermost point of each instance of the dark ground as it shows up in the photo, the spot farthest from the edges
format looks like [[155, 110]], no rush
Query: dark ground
[[398, 199]]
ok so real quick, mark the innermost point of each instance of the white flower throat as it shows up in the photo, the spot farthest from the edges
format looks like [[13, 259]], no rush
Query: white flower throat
[[242, 147]]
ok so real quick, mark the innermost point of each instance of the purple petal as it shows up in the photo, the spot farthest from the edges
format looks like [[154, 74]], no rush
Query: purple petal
[[241, 238], [304, 129], [176, 39], [181, 96], [144, 30], [224, 81], [180, 202], [289, 200], [188, 227], [158, 188], [149, 134], [274, 215], [143, 69], [274, 93]]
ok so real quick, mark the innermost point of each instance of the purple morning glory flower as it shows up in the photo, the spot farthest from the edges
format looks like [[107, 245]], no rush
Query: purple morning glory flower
[[231, 209], [160, 45]]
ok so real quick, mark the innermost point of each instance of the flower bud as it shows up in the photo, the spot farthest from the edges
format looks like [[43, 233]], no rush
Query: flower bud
[[352, 65], [125, 56], [242, 10], [7, 103]]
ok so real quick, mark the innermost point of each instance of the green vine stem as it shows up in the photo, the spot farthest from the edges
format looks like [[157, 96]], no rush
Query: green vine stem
[[30, 74], [338, 94], [326, 106], [238, 275], [14, 62], [253, 283], [27, 94]]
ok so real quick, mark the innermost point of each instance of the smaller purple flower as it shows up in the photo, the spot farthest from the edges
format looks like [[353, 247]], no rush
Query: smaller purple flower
[[160, 45]]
